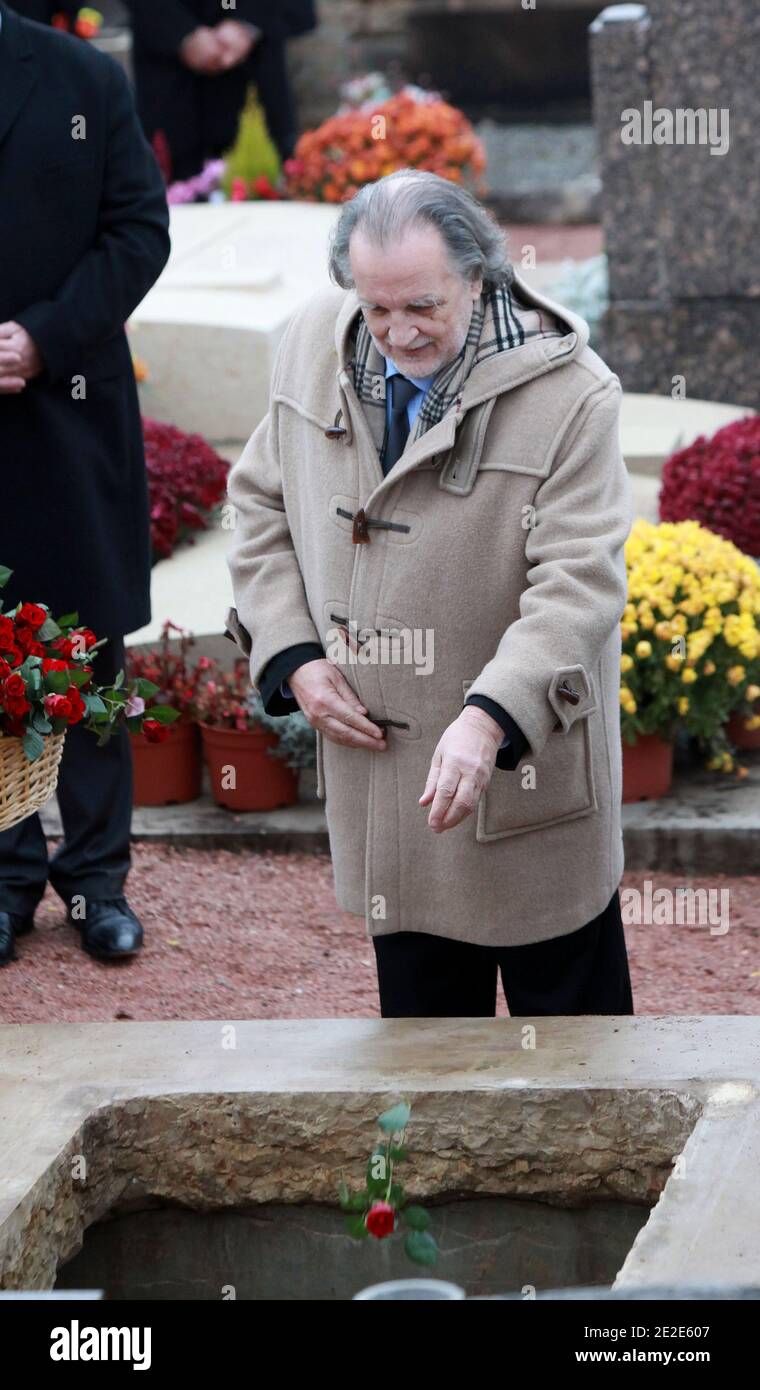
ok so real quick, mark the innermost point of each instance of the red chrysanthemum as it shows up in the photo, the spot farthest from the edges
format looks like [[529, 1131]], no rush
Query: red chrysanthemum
[[717, 482], [186, 480]]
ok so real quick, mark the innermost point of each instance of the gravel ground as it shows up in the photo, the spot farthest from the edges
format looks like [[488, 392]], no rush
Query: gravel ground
[[259, 936]]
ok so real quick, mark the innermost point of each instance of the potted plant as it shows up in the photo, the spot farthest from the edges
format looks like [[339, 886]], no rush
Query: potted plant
[[420, 130], [167, 770], [717, 482], [691, 648], [46, 685], [187, 479], [743, 728], [252, 759]]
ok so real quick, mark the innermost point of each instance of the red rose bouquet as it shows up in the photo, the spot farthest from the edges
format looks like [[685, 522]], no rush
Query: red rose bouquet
[[46, 681]]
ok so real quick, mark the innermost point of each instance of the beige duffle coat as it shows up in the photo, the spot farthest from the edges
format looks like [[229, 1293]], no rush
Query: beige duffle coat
[[505, 554]]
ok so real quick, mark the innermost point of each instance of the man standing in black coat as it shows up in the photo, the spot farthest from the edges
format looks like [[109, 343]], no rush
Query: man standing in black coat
[[84, 235], [193, 61]]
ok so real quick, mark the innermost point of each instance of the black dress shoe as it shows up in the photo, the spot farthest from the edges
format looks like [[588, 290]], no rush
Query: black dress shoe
[[12, 924], [110, 930]]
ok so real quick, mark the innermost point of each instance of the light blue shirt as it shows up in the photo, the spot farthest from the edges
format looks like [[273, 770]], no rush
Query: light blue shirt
[[415, 405]]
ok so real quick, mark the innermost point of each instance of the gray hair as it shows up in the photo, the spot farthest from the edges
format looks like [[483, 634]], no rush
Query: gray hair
[[413, 197]]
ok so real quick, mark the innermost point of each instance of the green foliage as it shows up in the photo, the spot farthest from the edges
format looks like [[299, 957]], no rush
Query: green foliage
[[253, 152], [356, 1227], [297, 744], [394, 1120], [421, 1247], [417, 1218]]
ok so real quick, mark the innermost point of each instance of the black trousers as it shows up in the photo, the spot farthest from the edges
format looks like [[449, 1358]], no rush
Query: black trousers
[[585, 972], [95, 800]]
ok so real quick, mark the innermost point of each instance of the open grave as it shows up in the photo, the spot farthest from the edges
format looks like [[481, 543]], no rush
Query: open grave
[[202, 1160]]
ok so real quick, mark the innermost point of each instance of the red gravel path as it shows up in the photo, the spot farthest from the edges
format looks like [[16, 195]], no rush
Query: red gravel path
[[259, 936]]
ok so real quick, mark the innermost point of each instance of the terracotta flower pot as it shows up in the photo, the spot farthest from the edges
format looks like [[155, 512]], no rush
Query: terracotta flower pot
[[739, 736], [647, 768], [244, 776], [167, 773]]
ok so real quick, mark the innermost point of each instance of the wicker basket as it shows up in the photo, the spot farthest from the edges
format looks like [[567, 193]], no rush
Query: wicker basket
[[26, 786]]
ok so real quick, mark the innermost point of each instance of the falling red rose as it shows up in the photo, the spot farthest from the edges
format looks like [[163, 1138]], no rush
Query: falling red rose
[[381, 1219]]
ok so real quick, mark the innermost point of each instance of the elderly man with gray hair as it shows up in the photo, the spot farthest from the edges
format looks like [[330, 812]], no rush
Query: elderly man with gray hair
[[428, 562]]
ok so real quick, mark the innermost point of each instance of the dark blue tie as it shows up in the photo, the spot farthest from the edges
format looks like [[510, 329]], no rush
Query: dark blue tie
[[402, 392]]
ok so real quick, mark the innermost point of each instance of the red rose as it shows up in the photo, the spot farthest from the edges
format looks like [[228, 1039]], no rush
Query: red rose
[[81, 638], [17, 708], [57, 707], [13, 696], [31, 614], [155, 732], [50, 663], [13, 728], [13, 686], [5, 669], [7, 634], [28, 642], [381, 1219], [78, 706]]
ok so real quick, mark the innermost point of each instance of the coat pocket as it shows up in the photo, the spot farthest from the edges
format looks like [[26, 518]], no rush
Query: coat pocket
[[540, 792], [320, 767]]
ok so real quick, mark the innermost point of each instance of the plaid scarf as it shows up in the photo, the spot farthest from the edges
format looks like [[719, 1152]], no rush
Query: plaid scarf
[[500, 322]]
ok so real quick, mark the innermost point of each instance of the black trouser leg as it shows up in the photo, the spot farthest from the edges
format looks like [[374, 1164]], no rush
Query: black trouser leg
[[424, 976], [585, 972], [95, 800], [23, 866]]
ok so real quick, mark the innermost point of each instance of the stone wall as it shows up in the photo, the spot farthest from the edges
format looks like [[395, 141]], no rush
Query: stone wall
[[512, 53], [680, 220]]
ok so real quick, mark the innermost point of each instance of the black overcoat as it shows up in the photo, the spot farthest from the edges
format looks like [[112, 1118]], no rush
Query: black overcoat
[[83, 236], [199, 113]]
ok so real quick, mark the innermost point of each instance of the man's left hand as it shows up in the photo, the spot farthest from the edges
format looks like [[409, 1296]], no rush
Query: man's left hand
[[20, 360], [236, 39], [462, 766]]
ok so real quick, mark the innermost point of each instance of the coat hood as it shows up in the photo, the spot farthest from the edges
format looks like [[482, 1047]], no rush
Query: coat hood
[[504, 370]]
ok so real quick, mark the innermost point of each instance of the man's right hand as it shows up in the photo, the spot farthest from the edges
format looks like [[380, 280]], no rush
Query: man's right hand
[[203, 51], [330, 705]]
